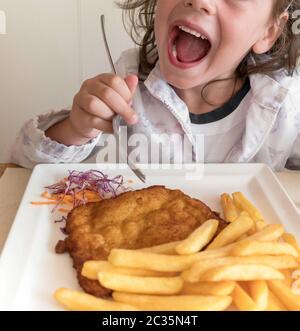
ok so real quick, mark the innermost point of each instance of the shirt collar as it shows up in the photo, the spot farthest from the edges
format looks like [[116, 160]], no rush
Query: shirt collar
[[269, 91], [161, 90]]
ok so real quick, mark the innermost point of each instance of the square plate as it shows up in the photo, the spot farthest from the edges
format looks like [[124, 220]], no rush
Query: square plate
[[30, 271]]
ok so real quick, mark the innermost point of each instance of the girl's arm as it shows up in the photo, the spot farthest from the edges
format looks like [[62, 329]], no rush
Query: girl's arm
[[64, 133], [32, 146]]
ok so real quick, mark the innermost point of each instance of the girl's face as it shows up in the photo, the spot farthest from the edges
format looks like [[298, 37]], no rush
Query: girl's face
[[218, 35]]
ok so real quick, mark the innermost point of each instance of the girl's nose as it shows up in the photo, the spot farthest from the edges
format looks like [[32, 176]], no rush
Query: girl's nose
[[208, 6]]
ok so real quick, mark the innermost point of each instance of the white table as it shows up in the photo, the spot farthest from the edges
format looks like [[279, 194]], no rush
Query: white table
[[14, 181]]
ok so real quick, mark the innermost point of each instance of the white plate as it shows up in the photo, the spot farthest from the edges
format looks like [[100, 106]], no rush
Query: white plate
[[30, 271]]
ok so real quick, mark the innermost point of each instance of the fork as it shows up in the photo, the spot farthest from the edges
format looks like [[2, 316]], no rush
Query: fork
[[130, 162]]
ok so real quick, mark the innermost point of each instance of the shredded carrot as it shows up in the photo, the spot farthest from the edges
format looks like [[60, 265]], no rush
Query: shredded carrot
[[68, 200], [43, 203]]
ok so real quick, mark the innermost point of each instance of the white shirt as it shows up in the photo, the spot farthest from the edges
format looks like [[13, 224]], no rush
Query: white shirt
[[222, 127], [222, 134]]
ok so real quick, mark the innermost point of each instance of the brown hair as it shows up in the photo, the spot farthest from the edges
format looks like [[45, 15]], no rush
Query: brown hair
[[283, 55]]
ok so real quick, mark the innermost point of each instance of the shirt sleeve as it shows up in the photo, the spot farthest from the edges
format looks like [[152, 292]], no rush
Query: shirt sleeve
[[32, 147]]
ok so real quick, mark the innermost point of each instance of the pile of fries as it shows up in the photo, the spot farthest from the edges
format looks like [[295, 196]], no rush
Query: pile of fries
[[248, 266]]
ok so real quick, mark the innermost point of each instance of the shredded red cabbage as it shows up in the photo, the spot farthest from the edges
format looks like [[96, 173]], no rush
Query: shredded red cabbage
[[91, 180]]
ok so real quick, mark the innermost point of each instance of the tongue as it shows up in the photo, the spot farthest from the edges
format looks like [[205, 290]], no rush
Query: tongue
[[190, 48]]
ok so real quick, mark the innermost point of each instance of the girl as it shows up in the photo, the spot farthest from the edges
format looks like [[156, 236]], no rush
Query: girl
[[222, 69]]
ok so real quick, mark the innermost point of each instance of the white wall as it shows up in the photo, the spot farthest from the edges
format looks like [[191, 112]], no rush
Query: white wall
[[50, 47]]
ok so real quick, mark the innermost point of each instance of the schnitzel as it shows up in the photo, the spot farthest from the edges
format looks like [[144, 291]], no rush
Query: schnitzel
[[132, 220]]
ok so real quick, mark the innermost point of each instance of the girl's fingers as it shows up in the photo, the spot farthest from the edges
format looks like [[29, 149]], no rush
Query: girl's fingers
[[114, 101], [88, 124], [118, 85], [132, 82], [102, 125], [95, 107], [95, 122]]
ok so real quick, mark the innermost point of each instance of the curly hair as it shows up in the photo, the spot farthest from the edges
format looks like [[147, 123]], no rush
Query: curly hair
[[138, 20]]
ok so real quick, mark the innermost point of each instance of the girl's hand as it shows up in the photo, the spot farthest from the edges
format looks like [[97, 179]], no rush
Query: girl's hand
[[99, 100]]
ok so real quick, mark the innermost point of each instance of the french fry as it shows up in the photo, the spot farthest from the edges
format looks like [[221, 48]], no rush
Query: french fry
[[274, 304], [290, 239], [244, 204], [253, 229], [229, 210], [212, 254], [241, 272], [142, 285], [91, 268], [194, 273], [174, 303], [242, 300], [271, 232], [260, 225], [259, 292], [198, 239], [285, 294], [232, 232], [208, 288], [242, 237], [80, 301], [161, 262], [167, 249], [287, 276], [150, 261], [252, 247]]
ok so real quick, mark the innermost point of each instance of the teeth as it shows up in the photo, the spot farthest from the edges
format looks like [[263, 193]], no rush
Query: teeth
[[192, 32], [174, 50]]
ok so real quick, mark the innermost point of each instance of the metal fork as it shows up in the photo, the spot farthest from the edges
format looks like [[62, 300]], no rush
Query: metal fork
[[130, 163]]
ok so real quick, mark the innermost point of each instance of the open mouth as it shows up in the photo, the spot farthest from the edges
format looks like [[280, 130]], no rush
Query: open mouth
[[187, 47]]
